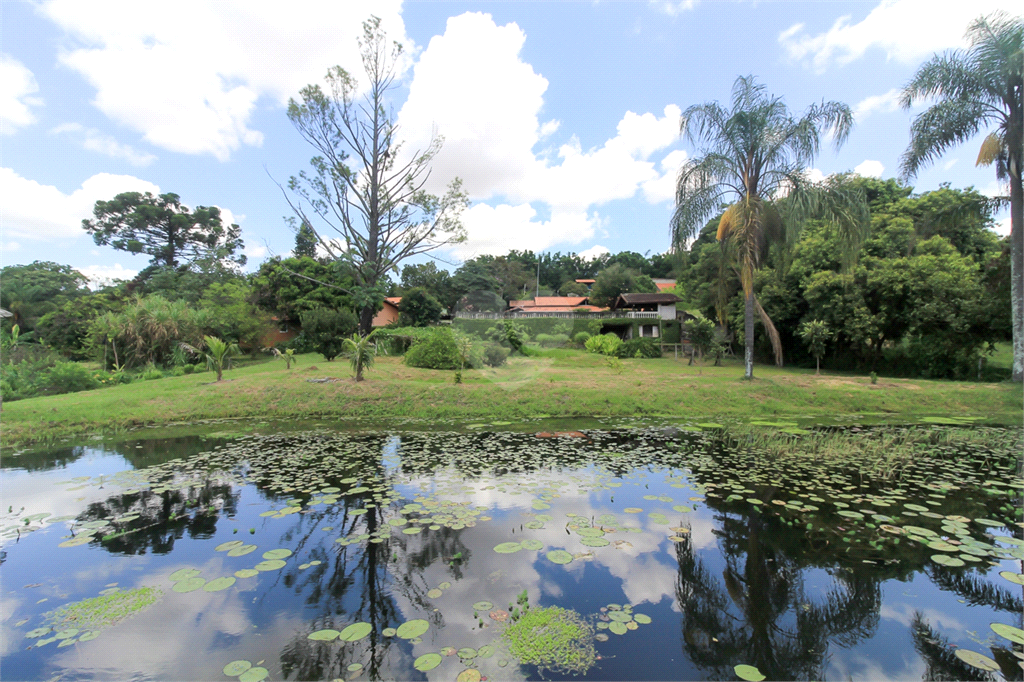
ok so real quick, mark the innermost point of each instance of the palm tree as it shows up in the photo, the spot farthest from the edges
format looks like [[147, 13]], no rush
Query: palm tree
[[975, 89], [360, 353], [218, 353], [755, 155]]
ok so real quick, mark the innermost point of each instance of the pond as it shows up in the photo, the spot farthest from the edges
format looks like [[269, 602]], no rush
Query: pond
[[652, 552]]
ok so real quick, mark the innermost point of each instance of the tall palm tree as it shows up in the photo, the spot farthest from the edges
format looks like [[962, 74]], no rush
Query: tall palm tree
[[755, 155], [975, 89]]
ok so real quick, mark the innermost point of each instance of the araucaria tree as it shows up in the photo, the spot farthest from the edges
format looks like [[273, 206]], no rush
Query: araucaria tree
[[361, 186], [753, 157], [164, 229], [976, 89]]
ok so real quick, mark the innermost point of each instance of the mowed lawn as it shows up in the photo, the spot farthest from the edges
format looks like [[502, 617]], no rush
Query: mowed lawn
[[559, 383]]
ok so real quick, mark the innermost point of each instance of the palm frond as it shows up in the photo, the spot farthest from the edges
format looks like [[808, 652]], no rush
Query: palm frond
[[937, 129]]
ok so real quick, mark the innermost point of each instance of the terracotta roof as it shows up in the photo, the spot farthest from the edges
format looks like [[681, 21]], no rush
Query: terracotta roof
[[586, 281], [550, 301], [393, 300], [540, 310], [666, 284]]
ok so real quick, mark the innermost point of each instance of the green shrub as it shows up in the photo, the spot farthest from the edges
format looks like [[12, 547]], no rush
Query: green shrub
[[151, 373], [638, 348], [327, 330], [188, 369], [580, 339], [178, 371], [495, 355], [69, 377], [436, 350], [605, 344]]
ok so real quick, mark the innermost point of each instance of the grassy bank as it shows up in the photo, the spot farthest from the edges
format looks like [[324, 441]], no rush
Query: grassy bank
[[560, 383]]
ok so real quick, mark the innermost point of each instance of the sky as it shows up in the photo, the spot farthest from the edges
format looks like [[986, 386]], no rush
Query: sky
[[561, 118]]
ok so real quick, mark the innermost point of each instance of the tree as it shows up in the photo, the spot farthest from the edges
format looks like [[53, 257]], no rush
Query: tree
[[360, 353], [816, 334], [573, 288], [163, 228], [305, 241], [233, 317], [477, 288], [419, 309], [437, 282], [702, 337], [359, 187], [290, 287], [327, 330], [31, 291], [975, 89], [616, 280], [149, 329], [753, 153], [218, 354]]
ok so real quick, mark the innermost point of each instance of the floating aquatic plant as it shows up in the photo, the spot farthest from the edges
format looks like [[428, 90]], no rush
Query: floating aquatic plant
[[552, 638]]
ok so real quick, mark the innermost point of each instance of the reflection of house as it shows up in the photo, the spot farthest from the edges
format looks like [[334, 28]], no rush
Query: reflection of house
[[389, 313], [545, 305]]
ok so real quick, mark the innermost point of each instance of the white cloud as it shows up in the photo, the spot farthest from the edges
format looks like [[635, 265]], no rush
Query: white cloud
[[102, 275], [488, 109], [96, 141], [869, 169], [815, 175], [35, 211], [886, 102], [593, 252], [188, 75], [664, 188], [17, 87], [1002, 227], [673, 8], [949, 164], [906, 30]]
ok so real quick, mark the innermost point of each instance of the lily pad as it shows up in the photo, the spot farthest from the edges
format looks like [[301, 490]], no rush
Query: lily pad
[[1016, 578], [246, 573], [642, 618], [412, 628], [990, 523], [632, 510], [389, 632], [483, 606], [277, 554], [89, 636], [748, 673], [225, 546], [617, 627], [595, 542], [946, 560], [470, 675], [242, 550], [236, 668], [434, 593], [658, 518], [486, 651], [444, 586], [1009, 632], [532, 544], [427, 662], [539, 506], [254, 675], [355, 632], [467, 653], [270, 565], [218, 584], [508, 547], [973, 658], [189, 585], [682, 509], [324, 635], [559, 556]]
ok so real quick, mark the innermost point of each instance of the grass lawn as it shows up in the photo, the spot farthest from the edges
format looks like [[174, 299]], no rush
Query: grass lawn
[[560, 383]]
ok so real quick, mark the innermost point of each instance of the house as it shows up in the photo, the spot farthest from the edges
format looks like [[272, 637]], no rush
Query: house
[[284, 330], [589, 283], [388, 314], [546, 305], [664, 284], [654, 308]]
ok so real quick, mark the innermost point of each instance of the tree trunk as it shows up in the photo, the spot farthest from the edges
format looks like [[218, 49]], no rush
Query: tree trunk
[[817, 367], [220, 373], [366, 320], [1017, 272], [748, 335]]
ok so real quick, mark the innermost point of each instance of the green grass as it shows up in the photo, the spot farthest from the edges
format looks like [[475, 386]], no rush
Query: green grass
[[557, 383]]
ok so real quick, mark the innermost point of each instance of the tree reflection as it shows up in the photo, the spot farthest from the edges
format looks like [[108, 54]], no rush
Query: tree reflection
[[759, 613]]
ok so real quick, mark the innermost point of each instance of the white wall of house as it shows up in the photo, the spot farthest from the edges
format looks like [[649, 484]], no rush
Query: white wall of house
[[667, 311]]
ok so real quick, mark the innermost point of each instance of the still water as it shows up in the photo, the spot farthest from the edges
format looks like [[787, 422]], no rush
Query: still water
[[675, 554]]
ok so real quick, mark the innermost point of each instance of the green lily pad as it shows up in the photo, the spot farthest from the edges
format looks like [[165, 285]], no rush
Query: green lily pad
[[444, 586], [270, 565], [682, 509], [324, 635], [246, 573], [748, 673], [412, 628], [617, 627], [590, 532], [434, 593], [632, 510], [354, 667], [355, 632], [66, 634], [942, 546], [470, 675], [534, 525], [277, 554], [508, 547], [1016, 578], [642, 618], [532, 544], [1009, 632], [989, 522], [89, 636], [81, 539], [467, 653], [658, 518], [189, 585], [427, 662], [620, 616], [973, 658], [38, 632], [916, 507], [483, 606], [389, 632], [559, 556], [254, 675], [236, 668], [242, 550], [486, 651], [184, 574], [412, 530], [946, 560], [594, 542], [225, 546], [218, 584]]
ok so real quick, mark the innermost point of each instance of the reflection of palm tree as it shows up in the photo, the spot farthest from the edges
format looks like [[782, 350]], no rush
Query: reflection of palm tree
[[763, 617], [943, 664]]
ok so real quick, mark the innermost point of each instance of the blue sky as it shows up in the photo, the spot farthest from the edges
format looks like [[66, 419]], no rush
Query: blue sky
[[561, 117]]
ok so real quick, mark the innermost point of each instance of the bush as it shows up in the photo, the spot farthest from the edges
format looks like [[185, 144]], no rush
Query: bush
[[605, 344], [151, 373], [327, 330], [178, 371], [69, 377], [581, 338], [495, 355], [638, 348], [437, 350], [188, 369]]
